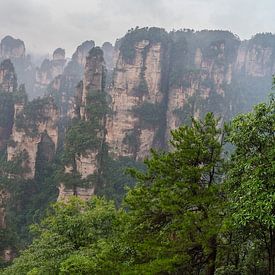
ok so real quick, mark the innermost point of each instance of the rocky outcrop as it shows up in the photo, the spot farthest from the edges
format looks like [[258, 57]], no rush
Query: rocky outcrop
[[201, 86], [59, 54], [48, 70], [36, 125], [255, 60], [94, 77], [87, 164], [8, 86], [12, 48], [82, 52], [207, 71], [158, 81], [137, 93], [64, 86], [83, 193]]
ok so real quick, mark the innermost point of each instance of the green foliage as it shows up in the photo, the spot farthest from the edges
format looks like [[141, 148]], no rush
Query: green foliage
[[176, 204], [219, 47], [172, 221], [115, 178], [177, 197], [180, 218], [97, 107], [86, 135], [7, 109], [80, 137], [77, 264], [27, 199], [127, 43], [67, 236], [33, 114], [251, 180], [131, 139], [149, 114], [252, 174], [264, 40]]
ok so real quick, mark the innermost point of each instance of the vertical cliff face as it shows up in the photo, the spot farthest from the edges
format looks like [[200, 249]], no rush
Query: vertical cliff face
[[253, 70], [159, 82], [8, 86], [94, 77], [138, 93], [89, 129], [48, 70], [201, 71], [36, 125], [8, 79], [8, 89], [93, 83], [254, 59], [108, 51], [63, 88]]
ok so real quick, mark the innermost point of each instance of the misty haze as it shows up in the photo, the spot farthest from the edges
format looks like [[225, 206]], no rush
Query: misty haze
[[137, 137]]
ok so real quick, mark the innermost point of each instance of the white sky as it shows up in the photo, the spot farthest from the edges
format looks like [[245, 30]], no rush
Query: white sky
[[47, 24]]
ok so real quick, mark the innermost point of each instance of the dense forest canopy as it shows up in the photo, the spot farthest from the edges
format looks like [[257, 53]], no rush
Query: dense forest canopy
[[194, 210]]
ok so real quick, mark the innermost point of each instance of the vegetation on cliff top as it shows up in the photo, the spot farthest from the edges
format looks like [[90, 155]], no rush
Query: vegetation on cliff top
[[34, 113]]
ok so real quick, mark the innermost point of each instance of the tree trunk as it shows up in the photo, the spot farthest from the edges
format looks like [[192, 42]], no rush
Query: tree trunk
[[211, 267], [272, 252]]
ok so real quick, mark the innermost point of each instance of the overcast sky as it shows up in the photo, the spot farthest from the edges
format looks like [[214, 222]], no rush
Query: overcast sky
[[47, 24]]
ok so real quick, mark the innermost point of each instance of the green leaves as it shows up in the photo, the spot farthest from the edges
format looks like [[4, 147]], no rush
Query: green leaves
[[67, 238], [252, 173], [175, 208], [180, 218]]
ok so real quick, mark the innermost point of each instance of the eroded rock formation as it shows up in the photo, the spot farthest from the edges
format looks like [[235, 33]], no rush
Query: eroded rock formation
[[36, 126], [137, 93], [14, 49], [157, 85], [64, 86], [8, 86], [87, 163], [156, 81], [48, 70]]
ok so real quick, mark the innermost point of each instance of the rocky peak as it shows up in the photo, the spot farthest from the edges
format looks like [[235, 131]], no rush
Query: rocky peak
[[138, 93], [94, 69], [93, 76], [48, 70], [89, 96], [63, 87], [82, 52], [12, 48], [59, 54]]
